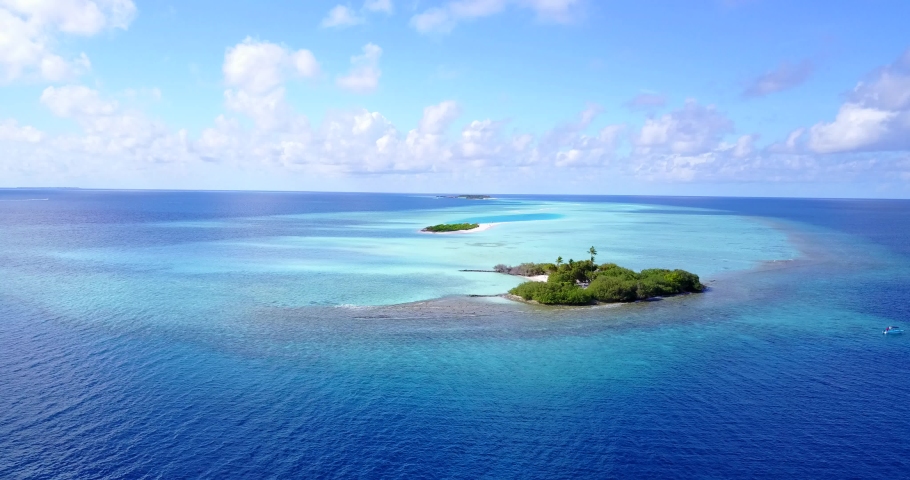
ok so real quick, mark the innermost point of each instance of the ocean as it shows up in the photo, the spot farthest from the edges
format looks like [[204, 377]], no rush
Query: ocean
[[175, 334]]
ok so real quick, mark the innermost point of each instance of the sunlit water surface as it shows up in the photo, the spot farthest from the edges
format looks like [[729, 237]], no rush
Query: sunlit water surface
[[207, 334]]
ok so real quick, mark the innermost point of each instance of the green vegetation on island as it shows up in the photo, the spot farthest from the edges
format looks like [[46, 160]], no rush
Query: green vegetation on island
[[451, 227], [585, 282]]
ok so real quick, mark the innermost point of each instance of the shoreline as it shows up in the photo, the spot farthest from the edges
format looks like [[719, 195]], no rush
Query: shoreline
[[536, 278], [480, 228], [516, 298]]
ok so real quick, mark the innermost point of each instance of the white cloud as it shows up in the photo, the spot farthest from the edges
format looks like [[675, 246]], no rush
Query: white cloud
[[875, 117], [794, 137], [566, 133], [122, 145], [304, 63], [479, 139], [379, 6], [80, 17], [117, 139], [256, 72], [888, 88], [745, 146], [347, 143], [693, 129], [29, 30], [434, 20], [443, 19], [56, 69], [112, 137], [269, 110], [10, 131], [76, 101], [724, 166], [784, 77], [436, 118], [258, 67], [341, 16], [567, 145], [685, 145], [365, 72], [855, 127]]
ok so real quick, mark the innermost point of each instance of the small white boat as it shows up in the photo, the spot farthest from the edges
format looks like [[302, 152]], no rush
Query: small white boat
[[893, 331]]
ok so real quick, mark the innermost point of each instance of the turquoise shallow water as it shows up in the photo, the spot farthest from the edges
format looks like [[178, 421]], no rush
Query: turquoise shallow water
[[185, 334], [311, 259]]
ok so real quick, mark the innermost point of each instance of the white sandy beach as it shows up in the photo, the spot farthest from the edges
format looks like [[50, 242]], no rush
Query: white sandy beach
[[537, 278]]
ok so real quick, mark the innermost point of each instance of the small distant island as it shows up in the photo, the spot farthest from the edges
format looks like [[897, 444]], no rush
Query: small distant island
[[587, 283], [451, 227], [466, 197]]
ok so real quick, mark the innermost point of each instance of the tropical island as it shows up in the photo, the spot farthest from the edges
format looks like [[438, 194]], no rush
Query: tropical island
[[587, 283], [451, 227], [467, 197]]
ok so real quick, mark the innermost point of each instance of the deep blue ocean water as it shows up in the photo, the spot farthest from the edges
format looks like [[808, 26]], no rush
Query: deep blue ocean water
[[263, 335]]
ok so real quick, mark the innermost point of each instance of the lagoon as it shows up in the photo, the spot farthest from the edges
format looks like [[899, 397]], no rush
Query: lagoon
[[245, 334]]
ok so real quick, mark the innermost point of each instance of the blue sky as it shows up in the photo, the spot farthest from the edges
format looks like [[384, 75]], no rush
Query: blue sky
[[712, 97]]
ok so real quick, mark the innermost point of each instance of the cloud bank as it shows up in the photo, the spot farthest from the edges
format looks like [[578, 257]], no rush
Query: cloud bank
[[875, 117], [261, 134], [29, 31]]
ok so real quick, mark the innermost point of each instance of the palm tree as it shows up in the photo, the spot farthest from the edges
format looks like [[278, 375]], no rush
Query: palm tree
[[593, 252], [558, 261]]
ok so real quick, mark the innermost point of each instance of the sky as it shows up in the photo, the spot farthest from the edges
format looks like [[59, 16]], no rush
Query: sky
[[651, 97]]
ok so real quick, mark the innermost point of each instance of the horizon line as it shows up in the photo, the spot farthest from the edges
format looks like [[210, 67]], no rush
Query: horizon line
[[103, 189]]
